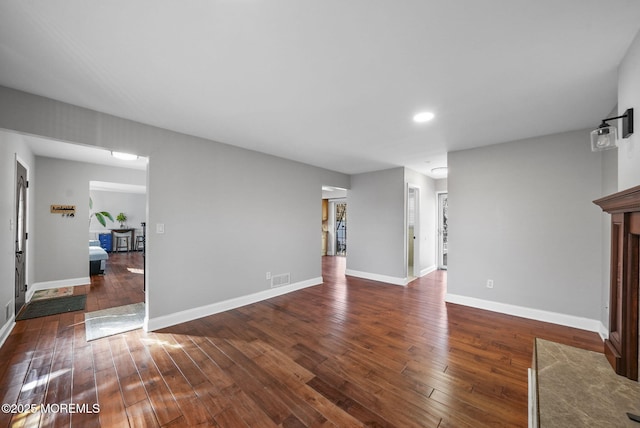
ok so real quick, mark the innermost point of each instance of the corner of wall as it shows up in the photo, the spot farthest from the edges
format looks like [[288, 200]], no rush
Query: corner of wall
[[5, 331], [529, 313], [156, 323]]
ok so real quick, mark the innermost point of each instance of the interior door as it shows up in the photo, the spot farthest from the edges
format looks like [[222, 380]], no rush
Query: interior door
[[21, 236]]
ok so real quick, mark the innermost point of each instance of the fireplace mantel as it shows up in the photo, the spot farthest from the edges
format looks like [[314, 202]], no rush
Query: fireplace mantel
[[624, 201], [621, 348]]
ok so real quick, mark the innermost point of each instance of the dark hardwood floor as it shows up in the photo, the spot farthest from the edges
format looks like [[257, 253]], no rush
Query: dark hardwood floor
[[349, 352]]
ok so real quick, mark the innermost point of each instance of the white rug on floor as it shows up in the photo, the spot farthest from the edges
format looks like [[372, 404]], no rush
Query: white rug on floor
[[108, 322], [51, 293]]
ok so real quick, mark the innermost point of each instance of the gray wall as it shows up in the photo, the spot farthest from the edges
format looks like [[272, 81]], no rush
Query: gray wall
[[521, 214], [377, 246], [10, 145], [236, 214], [376, 223], [62, 250], [628, 97], [441, 185], [609, 186], [233, 214]]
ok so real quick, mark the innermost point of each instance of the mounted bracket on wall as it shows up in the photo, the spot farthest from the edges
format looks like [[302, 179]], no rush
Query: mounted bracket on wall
[[605, 136], [65, 210]]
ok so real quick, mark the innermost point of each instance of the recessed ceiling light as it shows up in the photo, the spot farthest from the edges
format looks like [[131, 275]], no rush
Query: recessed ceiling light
[[124, 156], [424, 116]]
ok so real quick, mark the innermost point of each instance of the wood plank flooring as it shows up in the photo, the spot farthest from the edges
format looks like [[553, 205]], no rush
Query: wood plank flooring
[[347, 353]]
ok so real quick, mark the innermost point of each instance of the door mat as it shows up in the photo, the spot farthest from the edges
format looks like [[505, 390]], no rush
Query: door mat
[[52, 293], [108, 322], [46, 307]]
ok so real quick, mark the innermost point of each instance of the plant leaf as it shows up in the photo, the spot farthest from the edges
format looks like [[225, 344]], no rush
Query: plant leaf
[[101, 219], [107, 215]]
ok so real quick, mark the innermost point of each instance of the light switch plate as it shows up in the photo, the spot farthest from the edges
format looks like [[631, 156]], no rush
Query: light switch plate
[[159, 227]]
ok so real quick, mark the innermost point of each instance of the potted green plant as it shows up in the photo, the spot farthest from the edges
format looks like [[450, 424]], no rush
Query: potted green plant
[[121, 218], [101, 216]]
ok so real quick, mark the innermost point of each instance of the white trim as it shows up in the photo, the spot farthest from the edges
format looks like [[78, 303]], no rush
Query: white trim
[[439, 243], [72, 282], [151, 324], [377, 277], [428, 270], [604, 332], [416, 229], [530, 313], [5, 331]]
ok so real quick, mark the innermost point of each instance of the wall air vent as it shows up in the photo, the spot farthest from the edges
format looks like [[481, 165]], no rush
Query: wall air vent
[[280, 280]]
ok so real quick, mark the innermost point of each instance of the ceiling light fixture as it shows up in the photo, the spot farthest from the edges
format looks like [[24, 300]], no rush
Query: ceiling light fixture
[[605, 137], [124, 156], [424, 116], [441, 170]]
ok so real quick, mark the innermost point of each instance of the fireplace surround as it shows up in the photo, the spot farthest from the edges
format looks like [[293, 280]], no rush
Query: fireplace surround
[[621, 348]]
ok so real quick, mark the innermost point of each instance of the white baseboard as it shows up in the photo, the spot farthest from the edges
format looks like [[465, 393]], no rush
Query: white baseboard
[[604, 332], [5, 331], [377, 277], [523, 312], [151, 324], [71, 282], [428, 270]]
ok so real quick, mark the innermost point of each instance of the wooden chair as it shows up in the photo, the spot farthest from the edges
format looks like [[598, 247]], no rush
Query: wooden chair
[[139, 241], [122, 242]]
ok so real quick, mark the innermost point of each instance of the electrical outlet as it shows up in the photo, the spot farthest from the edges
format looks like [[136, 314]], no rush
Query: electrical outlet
[[268, 275], [7, 311], [489, 283]]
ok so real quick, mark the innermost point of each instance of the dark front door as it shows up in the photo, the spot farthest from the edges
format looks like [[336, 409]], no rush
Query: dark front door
[[21, 236]]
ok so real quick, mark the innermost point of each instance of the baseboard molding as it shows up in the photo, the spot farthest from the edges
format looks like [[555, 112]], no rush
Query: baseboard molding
[[71, 282], [604, 332], [5, 331], [529, 313], [151, 324], [377, 277], [428, 270]]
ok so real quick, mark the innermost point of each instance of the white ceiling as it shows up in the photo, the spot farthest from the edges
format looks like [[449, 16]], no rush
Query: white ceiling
[[329, 83]]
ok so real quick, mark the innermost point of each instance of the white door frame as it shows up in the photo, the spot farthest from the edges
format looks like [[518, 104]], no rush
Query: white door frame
[[416, 233], [442, 250]]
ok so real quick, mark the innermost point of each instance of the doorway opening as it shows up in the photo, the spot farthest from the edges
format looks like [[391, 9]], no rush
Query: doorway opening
[[443, 230], [334, 225], [341, 229]]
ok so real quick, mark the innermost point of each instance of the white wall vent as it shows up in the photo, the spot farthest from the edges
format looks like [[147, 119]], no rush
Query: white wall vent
[[280, 280]]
